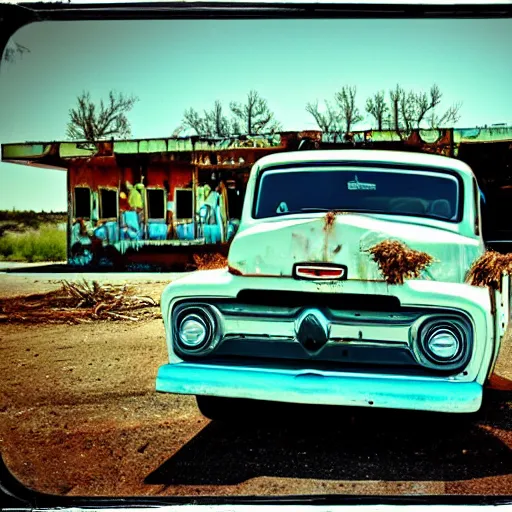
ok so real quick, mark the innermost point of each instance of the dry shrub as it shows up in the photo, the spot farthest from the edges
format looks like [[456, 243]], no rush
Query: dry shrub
[[397, 262], [46, 244], [488, 269], [77, 303], [210, 261]]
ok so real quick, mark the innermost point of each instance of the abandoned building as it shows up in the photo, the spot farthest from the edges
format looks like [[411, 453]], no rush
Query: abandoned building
[[156, 202]]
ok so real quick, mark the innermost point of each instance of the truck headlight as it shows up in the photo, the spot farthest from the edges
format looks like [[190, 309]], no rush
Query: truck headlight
[[192, 331], [444, 343], [196, 328]]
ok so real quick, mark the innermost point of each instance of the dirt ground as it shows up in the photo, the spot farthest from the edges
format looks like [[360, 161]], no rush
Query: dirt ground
[[79, 415]]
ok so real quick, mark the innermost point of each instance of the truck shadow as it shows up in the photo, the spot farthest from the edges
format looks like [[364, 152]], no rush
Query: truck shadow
[[362, 444]]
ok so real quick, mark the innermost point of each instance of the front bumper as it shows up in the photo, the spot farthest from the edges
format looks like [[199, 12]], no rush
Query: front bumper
[[320, 387]]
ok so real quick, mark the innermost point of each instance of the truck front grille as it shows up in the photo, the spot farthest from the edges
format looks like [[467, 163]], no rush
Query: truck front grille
[[265, 328]]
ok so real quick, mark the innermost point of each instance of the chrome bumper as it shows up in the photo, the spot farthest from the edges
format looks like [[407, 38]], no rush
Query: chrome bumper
[[320, 387]]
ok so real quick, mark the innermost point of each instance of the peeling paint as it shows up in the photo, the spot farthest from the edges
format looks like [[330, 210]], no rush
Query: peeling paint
[[307, 241]]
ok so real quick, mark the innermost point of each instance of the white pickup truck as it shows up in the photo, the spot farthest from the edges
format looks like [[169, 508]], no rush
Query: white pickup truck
[[304, 314]]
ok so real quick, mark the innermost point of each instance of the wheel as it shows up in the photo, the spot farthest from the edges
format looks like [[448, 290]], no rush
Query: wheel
[[220, 408]]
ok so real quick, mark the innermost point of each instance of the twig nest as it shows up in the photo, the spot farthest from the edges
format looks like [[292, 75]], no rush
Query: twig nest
[[489, 268], [397, 262]]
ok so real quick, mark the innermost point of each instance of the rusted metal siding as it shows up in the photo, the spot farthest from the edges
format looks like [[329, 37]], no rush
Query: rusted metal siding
[[94, 173], [104, 172], [173, 174]]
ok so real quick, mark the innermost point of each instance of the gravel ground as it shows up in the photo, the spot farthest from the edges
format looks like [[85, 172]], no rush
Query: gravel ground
[[79, 415]]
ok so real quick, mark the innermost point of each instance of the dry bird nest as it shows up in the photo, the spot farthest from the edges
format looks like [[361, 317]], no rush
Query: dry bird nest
[[78, 303], [489, 268], [397, 262]]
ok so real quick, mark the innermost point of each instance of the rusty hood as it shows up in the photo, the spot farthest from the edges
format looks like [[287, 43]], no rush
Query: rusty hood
[[271, 248]]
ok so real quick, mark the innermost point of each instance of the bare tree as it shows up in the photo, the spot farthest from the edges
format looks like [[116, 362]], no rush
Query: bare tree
[[328, 121], [346, 99], [426, 103], [408, 110], [92, 122], [451, 115], [192, 119], [14, 50], [213, 123], [216, 122], [395, 96], [412, 110], [254, 115], [377, 108], [236, 127], [342, 116]]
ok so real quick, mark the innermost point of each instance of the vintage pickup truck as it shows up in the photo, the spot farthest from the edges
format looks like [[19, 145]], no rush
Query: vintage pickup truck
[[304, 314]]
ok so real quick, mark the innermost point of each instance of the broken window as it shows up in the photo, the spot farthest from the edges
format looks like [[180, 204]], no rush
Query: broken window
[[108, 203], [82, 202], [235, 192], [156, 203], [184, 203]]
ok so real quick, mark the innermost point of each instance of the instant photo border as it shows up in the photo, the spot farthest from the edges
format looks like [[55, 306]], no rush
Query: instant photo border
[[13, 494]]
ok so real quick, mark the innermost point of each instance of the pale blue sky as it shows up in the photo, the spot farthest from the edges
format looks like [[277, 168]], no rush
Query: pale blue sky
[[171, 65]]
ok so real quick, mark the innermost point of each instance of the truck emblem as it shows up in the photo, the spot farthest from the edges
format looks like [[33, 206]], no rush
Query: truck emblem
[[359, 185], [312, 330]]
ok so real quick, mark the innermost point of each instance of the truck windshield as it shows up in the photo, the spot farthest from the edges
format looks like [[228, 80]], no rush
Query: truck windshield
[[425, 194]]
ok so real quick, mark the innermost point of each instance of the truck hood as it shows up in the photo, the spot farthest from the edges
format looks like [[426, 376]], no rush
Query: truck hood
[[272, 248]]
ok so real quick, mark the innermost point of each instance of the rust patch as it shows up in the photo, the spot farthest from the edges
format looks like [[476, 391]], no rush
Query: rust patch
[[234, 271], [397, 262], [337, 249], [488, 269], [328, 224], [330, 217]]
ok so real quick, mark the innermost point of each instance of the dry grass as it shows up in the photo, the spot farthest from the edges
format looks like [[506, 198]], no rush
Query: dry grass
[[77, 303], [210, 261], [488, 269], [397, 262]]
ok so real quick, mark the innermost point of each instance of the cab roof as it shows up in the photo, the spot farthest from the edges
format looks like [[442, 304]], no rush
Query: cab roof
[[370, 156]]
